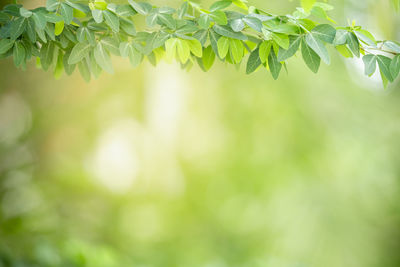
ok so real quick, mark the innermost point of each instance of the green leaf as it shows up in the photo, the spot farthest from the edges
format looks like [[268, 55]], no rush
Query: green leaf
[[103, 58], [25, 13], [370, 64], [79, 52], [135, 57], [392, 46], [51, 5], [214, 37], [58, 70], [353, 43], [220, 5], [46, 55], [125, 11], [141, 8], [111, 20], [366, 37], [30, 30], [84, 70], [281, 39], [58, 28], [384, 66], [294, 45], [18, 53], [128, 27], [183, 50], [170, 49], [324, 32], [344, 51], [69, 68], [208, 58], [195, 47], [237, 49], [204, 21], [202, 36], [5, 45], [223, 46], [318, 46], [227, 32], [67, 13], [264, 50], [307, 4], [253, 23], [167, 20], [97, 15], [237, 25], [340, 37], [219, 17], [17, 27], [124, 49], [253, 62], [183, 10], [274, 65], [40, 20], [311, 58], [395, 67]]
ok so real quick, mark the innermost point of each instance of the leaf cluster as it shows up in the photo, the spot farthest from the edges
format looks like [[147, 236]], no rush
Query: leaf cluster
[[66, 35]]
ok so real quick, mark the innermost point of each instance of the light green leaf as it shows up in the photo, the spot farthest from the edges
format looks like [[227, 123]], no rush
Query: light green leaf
[[204, 21], [128, 27], [208, 58], [307, 4], [318, 46], [170, 49], [223, 46], [264, 50], [141, 8], [341, 37], [58, 28], [311, 58], [219, 17], [237, 49], [281, 39], [195, 47], [135, 57], [183, 50], [220, 5], [392, 46], [84, 70], [97, 15], [167, 20], [103, 58], [79, 52]]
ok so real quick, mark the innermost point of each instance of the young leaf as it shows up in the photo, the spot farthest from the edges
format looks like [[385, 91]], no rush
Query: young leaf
[[311, 58], [58, 28], [281, 39], [370, 64], [264, 50], [195, 47], [183, 50], [208, 58], [220, 5], [223, 46], [170, 49], [219, 17]]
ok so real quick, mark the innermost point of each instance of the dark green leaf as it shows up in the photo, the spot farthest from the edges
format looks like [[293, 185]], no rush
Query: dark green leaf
[[293, 47], [17, 27], [79, 52], [353, 43], [324, 32], [5, 45], [18, 53], [67, 13], [384, 66], [274, 65], [395, 67], [318, 46], [226, 31]]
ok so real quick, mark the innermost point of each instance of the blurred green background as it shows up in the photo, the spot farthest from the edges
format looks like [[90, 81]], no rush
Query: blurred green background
[[154, 167]]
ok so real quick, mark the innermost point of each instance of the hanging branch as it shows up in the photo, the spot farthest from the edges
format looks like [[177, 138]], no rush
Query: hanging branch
[[66, 34]]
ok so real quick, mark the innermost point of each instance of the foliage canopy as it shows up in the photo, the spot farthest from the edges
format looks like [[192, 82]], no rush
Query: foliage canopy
[[66, 34]]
